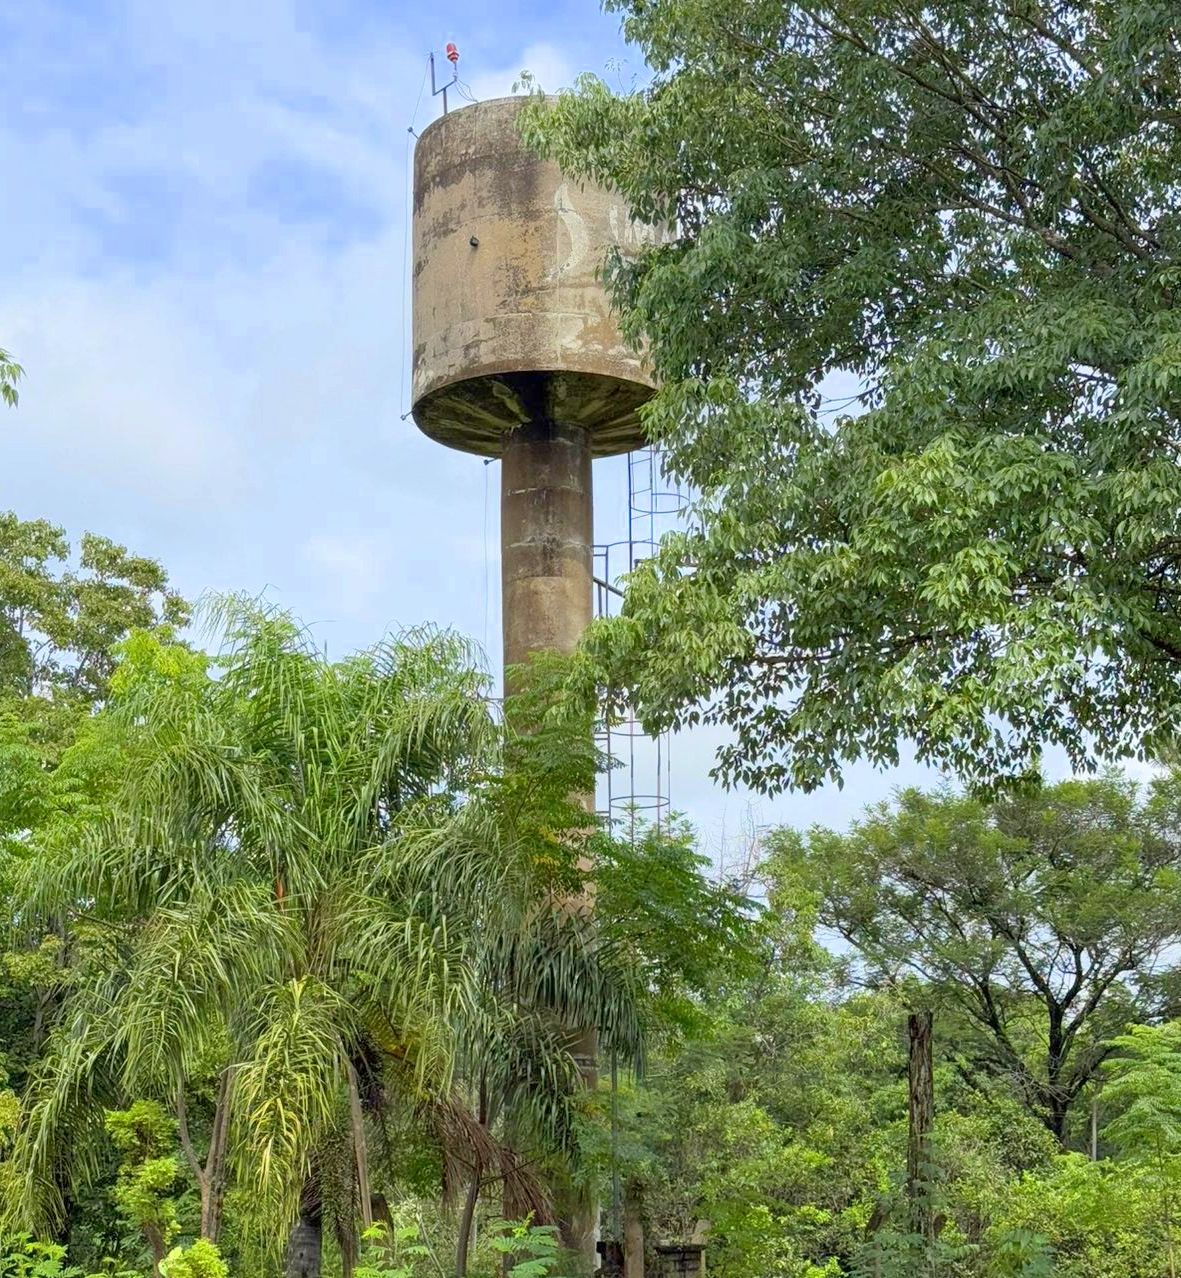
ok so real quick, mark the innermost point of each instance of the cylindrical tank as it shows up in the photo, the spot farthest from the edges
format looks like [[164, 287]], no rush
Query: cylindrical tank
[[511, 320]]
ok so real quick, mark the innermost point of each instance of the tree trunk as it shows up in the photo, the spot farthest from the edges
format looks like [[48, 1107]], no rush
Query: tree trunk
[[210, 1176], [921, 1120], [633, 1234], [486, 1109], [214, 1187], [1058, 1112], [306, 1246], [578, 1211], [466, 1217], [155, 1237]]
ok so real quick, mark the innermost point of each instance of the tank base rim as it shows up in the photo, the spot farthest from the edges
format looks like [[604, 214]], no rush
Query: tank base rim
[[475, 414]]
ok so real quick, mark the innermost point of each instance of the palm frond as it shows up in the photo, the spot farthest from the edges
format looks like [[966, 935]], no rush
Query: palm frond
[[287, 1090]]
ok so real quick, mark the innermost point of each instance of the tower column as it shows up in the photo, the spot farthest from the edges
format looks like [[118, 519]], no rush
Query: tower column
[[546, 539], [546, 558]]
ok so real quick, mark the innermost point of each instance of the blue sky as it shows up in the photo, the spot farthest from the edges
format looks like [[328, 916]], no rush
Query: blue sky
[[203, 209]]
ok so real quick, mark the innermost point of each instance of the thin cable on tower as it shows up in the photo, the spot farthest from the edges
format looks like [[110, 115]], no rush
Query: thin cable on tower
[[406, 214]]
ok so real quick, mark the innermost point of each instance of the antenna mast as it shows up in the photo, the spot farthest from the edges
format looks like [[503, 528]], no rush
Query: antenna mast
[[453, 57]]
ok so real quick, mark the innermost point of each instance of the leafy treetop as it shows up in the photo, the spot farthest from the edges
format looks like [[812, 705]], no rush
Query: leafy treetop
[[973, 213], [1046, 919], [60, 624]]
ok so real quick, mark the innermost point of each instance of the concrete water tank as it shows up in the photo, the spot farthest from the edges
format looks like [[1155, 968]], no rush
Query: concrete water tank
[[511, 320]]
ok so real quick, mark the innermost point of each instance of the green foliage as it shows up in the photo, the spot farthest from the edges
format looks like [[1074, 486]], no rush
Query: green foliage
[[25, 1257], [1096, 1220], [684, 933], [59, 624], [149, 1170], [1018, 1253], [200, 1259], [915, 321], [533, 1251], [1045, 919], [10, 373], [254, 855], [1144, 1085], [64, 619], [324, 885], [390, 1253], [1145, 1088], [22, 1256], [773, 1128]]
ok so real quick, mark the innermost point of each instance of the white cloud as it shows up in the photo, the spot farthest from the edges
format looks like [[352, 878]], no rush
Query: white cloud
[[549, 66], [115, 394]]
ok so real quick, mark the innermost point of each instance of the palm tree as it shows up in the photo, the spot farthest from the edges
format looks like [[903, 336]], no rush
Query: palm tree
[[255, 890], [335, 881]]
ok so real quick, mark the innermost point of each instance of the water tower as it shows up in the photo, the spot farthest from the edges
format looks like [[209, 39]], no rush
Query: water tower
[[516, 353]]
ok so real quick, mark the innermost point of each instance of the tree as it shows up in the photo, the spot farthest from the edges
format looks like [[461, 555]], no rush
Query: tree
[[61, 631], [1043, 918], [254, 888], [59, 625], [540, 982], [149, 1170], [63, 622], [972, 213], [320, 885], [1145, 1086]]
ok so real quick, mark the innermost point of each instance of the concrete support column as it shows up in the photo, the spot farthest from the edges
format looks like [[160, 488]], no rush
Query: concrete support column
[[546, 552], [546, 539]]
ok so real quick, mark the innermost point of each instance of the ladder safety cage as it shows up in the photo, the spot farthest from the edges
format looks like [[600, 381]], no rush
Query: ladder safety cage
[[635, 790]]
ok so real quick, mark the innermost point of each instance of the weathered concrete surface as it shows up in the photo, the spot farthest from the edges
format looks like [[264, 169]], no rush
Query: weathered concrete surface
[[546, 532], [546, 536], [517, 325]]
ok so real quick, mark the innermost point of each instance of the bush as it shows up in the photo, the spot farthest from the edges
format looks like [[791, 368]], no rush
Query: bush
[[201, 1260]]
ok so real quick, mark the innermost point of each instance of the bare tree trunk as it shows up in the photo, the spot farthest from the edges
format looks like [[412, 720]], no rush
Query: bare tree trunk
[[210, 1176], [485, 1112], [360, 1150], [215, 1164], [305, 1248], [921, 1120], [155, 1238], [380, 1208], [633, 1234], [466, 1217]]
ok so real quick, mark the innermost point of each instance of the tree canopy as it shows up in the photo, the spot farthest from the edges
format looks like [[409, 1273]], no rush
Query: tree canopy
[[1048, 920], [61, 622], [972, 212]]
